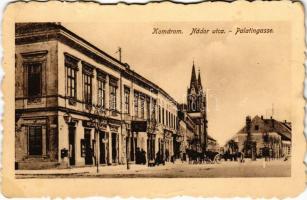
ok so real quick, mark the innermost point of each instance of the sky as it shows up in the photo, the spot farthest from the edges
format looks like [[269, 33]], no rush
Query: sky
[[243, 74]]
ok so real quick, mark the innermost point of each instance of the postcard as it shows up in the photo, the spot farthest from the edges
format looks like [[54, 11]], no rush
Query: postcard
[[154, 100]]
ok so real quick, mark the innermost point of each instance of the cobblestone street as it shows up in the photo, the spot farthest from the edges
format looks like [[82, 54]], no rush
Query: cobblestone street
[[275, 168]]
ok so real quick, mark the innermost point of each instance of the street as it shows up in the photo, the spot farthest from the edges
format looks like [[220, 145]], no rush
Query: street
[[274, 168]]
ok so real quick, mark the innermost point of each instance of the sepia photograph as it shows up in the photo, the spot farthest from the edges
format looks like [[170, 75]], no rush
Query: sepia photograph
[[86, 106], [152, 100]]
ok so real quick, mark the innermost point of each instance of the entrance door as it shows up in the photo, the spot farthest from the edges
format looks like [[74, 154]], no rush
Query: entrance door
[[132, 149], [151, 147], [71, 135], [114, 145], [102, 145], [88, 149]]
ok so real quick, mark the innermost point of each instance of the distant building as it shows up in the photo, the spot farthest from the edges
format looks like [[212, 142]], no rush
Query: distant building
[[187, 132], [212, 144], [268, 134], [197, 109]]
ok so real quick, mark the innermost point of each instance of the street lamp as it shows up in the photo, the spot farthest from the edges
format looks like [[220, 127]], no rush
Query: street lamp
[[127, 147], [96, 121], [151, 127], [67, 117]]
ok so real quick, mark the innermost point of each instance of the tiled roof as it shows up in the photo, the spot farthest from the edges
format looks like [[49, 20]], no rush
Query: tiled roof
[[270, 125]]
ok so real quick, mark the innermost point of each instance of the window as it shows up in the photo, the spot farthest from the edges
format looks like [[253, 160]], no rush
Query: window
[[35, 140], [34, 79], [136, 104], [153, 107], [112, 97], [87, 71], [159, 114], [34, 65], [193, 105], [148, 108], [127, 100], [163, 116], [71, 65], [101, 93], [101, 85], [169, 119], [142, 107], [175, 122], [166, 117], [87, 88], [71, 83], [113, 88], [256, 127]]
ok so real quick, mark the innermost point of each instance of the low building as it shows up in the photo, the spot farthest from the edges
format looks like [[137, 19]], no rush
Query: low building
[[260, 137], [212, 145], [188, 135], [75, 104]]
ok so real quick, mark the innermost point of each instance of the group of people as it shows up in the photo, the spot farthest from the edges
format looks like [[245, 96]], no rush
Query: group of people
[[234, 156], [140, 156], [195, 157]]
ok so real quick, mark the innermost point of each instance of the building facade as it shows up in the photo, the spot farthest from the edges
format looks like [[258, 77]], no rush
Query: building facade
[[187, 133], [267, 137], [75, 104], [212, 144]]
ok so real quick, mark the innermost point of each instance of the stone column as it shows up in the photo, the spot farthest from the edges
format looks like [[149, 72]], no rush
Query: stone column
[[44, 147], [110, 147], [118, 146]]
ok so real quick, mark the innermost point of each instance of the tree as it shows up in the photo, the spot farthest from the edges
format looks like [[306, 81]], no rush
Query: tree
[[248, 146]]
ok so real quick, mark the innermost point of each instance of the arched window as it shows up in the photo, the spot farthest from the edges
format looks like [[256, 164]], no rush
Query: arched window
[[193, 106]]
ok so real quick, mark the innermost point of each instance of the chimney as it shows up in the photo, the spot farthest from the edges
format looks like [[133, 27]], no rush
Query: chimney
[[272, 120], [262, 117], [127, 65], [285, 121]]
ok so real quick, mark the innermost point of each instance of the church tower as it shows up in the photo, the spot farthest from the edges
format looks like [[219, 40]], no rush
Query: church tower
[[196, 98], [196, 107], [192, 92]]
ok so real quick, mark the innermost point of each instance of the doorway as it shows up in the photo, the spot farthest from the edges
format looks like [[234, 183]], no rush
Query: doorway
[[71, 135], [88, 149], [102, 145], [114, 147]]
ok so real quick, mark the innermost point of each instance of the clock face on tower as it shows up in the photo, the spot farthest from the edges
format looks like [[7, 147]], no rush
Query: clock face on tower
[[193, 91]]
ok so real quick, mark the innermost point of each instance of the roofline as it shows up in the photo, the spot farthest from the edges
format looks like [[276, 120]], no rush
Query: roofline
[[122, 66]]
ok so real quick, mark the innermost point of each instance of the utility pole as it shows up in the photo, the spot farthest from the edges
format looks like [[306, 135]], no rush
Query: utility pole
[[119, 51]]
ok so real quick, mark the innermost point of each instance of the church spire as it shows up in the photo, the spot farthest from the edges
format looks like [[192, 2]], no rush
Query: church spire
[[193, 76], [199, 79]]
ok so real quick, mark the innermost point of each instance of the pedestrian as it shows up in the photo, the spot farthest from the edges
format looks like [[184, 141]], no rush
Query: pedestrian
[[242, 157]]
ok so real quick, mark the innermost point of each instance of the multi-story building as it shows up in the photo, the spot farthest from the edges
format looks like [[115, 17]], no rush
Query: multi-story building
[[74, 103], [186, 133]]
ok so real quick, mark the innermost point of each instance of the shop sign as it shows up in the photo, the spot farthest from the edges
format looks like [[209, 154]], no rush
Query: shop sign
[[87, 123], [138, 126]]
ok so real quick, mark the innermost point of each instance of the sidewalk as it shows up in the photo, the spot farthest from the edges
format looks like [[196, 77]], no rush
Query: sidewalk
[[275, 168], [113, 169]]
